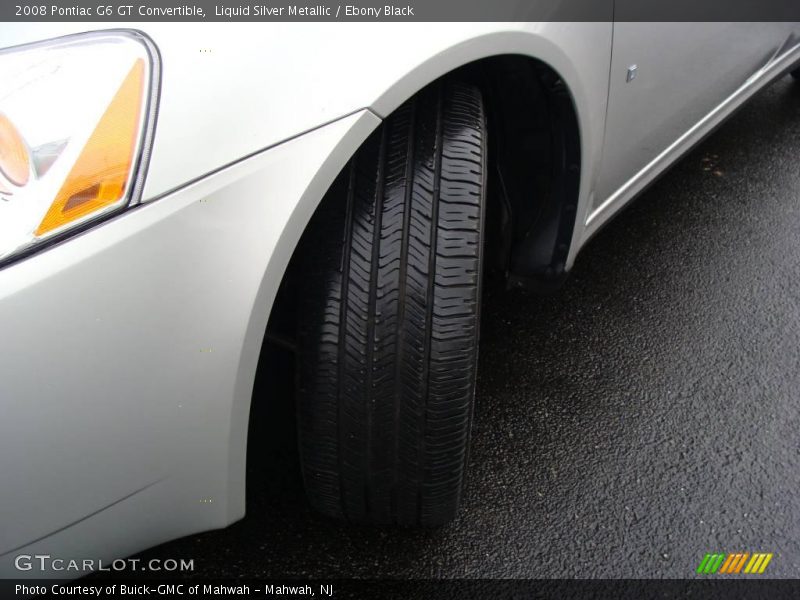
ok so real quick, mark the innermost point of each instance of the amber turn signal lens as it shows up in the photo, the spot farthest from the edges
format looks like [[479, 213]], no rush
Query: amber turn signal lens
[[14, 160], [99, 177]]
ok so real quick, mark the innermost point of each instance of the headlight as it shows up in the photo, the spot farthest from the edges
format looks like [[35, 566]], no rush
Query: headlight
[[76, 119]]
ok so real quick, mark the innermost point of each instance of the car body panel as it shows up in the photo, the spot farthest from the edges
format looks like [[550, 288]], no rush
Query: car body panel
[[234, 80], [675, 89], [135, 353], [624, 172], [136, 342]]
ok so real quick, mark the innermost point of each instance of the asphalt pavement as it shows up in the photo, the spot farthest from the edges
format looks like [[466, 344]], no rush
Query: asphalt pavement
[[643, 416]]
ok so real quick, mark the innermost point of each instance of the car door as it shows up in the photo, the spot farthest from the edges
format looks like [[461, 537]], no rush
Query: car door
[[665, 77]]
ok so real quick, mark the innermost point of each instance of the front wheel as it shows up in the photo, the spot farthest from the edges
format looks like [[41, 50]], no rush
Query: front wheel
[[389, 317]]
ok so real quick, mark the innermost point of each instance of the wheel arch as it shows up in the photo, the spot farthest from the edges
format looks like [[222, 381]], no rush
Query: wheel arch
[[542, 54], [569, 105], [531, 265]]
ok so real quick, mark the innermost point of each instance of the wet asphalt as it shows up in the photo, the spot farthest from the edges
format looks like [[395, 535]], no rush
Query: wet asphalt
[[644, 415]]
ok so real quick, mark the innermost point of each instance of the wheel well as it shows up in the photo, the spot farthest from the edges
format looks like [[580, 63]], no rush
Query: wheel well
[[533, 181], [534, 169]]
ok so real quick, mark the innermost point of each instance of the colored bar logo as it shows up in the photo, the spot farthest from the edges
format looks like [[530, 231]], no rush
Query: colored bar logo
[[733, 564]]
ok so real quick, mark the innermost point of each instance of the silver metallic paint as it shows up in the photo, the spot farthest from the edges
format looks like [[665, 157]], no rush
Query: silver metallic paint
[[129, 351]]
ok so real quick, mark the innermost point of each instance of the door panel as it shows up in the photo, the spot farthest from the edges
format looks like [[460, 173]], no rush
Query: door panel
[[683, 71]]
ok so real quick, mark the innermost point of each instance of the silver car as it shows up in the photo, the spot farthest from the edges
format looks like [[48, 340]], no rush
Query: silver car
[[167, 189]]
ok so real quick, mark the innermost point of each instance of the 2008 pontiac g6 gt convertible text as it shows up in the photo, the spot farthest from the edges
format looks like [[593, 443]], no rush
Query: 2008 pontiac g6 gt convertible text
[[165, 188]]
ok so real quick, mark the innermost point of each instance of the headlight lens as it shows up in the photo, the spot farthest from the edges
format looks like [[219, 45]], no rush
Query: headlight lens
[[74, 123]]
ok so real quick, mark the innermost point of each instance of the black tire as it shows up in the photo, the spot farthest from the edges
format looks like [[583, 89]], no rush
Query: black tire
[[796, 74], [388, 343]]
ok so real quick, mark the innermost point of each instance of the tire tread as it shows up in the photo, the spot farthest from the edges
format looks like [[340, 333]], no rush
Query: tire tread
[[389, 321]]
